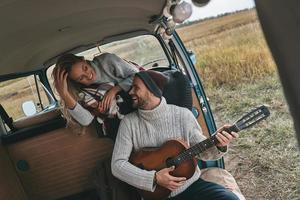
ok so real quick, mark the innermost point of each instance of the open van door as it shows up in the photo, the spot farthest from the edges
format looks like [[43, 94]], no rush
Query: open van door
[[280, 23]]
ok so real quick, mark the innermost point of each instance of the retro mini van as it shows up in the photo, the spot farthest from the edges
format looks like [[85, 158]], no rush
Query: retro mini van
[[40, 157]]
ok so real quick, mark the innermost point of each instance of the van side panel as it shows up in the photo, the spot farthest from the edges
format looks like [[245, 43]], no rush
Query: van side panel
[[10, 185], [60, 162]]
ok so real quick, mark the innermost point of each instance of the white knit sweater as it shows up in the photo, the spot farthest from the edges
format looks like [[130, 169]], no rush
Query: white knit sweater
[[109, 68], [152, 128]]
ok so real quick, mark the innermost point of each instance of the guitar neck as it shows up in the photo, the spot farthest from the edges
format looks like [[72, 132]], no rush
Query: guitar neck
[[246, 121], [198, 148]]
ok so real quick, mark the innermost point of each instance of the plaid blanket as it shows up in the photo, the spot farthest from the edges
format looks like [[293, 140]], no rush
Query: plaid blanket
[[92, 96]]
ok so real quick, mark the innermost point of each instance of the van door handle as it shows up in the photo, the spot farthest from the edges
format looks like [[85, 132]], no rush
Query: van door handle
[[202, 104]]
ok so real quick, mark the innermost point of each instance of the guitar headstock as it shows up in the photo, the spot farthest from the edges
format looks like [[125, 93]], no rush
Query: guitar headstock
[[253, 117]]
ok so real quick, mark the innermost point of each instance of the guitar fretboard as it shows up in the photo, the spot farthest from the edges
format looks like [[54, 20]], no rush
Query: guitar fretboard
[[193, 151], [197, 149]]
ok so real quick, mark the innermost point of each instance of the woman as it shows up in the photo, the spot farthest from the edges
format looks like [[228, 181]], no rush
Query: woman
[[73, 73]]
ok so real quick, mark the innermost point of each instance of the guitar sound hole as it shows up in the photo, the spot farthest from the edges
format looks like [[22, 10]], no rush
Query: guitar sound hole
[[170, 162], [141, 166]]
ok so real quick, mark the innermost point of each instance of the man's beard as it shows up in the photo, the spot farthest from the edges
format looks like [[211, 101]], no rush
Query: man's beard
[[141, 102]]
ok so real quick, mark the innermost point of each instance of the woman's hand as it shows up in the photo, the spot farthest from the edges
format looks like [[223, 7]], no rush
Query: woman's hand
[[60, 82], [108, 97], [61, 85], [224, 138]]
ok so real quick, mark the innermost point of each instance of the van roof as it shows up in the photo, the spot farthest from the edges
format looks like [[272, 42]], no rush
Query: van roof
[[34, 31]]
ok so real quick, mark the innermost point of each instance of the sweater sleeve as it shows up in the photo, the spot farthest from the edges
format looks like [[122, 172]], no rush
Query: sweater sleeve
[[81, 115], [122, 168], [120, 69], [196, 136]]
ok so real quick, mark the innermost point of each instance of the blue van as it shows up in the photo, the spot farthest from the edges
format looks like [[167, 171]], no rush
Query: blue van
[[40, 157]]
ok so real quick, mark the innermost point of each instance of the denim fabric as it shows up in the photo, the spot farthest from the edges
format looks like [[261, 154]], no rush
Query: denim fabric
[[203, 190]]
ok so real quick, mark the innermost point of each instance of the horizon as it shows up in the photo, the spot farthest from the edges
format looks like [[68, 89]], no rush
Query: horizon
[[219, 7]]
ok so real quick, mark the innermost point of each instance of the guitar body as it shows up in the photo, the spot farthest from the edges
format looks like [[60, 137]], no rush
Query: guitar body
[[155, 159]]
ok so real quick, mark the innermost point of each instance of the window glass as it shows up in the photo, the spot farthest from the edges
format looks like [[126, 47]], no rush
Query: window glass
[[143, 50], [13, 93]]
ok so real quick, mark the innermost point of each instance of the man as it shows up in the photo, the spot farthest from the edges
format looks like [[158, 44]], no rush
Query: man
[[154, 123]]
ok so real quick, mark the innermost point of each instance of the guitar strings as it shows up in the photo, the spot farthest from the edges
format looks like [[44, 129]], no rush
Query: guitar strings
[[191, 152]]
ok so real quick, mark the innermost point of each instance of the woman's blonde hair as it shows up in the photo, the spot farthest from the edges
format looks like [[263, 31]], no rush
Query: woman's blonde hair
[[66, 63]]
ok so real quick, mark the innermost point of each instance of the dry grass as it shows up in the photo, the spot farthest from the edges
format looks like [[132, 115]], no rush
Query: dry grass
[[15, 92], [229, 53], [217, 25], [238, 73], [265, 160]]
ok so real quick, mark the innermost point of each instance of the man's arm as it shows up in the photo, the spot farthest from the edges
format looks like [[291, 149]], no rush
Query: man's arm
[[122, 169], [195, 136]]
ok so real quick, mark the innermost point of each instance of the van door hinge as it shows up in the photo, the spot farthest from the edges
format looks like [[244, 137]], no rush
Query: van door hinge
[[202, 104]]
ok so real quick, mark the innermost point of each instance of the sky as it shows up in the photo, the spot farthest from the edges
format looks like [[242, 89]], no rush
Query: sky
[[217, 7]]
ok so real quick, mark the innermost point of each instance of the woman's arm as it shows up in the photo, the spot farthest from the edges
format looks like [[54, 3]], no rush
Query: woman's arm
[[108, 97], [80, 114], [123, 73], [119, 68]]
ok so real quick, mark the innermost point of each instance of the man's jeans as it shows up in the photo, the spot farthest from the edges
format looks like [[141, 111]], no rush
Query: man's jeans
[[203, 190]]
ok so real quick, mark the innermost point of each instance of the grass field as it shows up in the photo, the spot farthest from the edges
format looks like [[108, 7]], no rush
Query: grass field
[[13, 93], [238, 74]]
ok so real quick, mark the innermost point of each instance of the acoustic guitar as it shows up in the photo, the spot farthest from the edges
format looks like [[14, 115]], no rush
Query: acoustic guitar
[[175, 153]]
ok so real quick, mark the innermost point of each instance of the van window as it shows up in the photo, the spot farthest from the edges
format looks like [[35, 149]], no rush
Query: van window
[[14, 93], [143, 50]]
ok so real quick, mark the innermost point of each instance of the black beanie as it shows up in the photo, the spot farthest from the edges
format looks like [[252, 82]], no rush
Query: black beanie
[[154, 81]]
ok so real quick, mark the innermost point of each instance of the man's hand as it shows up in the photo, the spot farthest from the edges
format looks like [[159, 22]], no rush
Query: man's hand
[[224, 138], [163, 178]]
